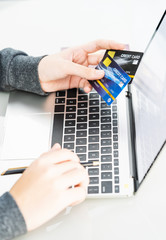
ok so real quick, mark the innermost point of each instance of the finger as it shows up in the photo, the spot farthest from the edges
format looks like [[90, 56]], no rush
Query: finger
[[94, 59], [83, 83], [84, 72], [75, 195], [60, 156], [101, 44], [56, 146], [74, 177], [87, 87]]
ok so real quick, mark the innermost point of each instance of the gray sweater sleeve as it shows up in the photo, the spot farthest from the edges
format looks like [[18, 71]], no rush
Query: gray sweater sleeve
[[12, 223], [19, 71]]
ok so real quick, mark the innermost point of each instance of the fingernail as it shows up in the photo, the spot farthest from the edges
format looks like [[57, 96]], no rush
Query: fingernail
[[57, 146], [87, 89]]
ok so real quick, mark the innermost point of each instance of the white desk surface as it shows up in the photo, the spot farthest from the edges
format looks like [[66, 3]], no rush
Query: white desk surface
[[43, 27]]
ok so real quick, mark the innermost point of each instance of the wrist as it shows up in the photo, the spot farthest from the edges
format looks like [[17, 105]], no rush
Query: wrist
[[42, 66]]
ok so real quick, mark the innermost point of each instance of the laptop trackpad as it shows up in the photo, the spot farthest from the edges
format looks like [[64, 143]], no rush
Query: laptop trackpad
[[27, 136]]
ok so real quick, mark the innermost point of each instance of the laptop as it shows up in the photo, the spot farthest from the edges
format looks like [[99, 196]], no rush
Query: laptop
[[125, 137]]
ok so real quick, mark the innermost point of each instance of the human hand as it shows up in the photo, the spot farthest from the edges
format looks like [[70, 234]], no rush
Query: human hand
[[44, 189], [69, 68]]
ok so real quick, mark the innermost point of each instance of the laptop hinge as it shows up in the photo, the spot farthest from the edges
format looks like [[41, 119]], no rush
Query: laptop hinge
[[131, 138]]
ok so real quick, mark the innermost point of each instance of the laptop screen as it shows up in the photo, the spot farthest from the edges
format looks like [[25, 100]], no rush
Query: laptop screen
[[149, 101]]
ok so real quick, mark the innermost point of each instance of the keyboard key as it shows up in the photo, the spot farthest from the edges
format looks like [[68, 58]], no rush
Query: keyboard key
[[82, 126], [82, 119], [93, 116], [93, 155], [114, 108], [71, 93], [105, 126], [115, 145], [106, 186], [94, 180], [69, 138], [106, 167], [105, 142], [82, 157], [81, 149], [106, 150], [57, 129], [93, 123], [104, 105], [81, 91], [70, 116], [93, 190], [81, 133], [71, 109], [105, 112], [115, 137], [93, 131], [106, 175], [114, 115], [93, 102], [115, 123], [93, 95], [70, 123], [60, 93], [59, 108], [83, 98], [117, 189], [68, 145], [82, 112], [71, 102], [115, 130], [105, 119], [116, 170], [93, 109], [106, 134], [59, 100], [106, 158], [116, 162], [93, 147], [116, 179], [81, 141], [116, 154], [93, 138], [69, 130], [82, 105], [93, 171]]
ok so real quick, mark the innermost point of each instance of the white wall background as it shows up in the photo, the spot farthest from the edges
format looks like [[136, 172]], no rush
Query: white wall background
[[43, 26]]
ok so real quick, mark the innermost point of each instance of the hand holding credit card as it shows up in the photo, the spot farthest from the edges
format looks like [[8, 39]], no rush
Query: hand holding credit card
[[116, 78]]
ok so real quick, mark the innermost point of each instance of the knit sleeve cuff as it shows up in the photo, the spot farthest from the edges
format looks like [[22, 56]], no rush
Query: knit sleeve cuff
[[12, 223], [23, 74]]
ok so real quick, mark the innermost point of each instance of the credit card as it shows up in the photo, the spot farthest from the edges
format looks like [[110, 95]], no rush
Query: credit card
[[128, 60], [113, 82]]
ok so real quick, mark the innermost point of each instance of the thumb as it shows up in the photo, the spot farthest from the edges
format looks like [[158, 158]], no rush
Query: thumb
[[84, 72]]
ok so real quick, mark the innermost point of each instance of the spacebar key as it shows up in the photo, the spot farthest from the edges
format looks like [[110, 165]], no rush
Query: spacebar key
[[57, 129]]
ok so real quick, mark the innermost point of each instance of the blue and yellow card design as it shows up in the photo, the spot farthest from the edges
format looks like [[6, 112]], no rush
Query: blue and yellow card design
[[113, 82]]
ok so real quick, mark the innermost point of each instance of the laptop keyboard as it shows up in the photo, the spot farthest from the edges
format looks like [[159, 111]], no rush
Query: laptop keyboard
[[85, 124]]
